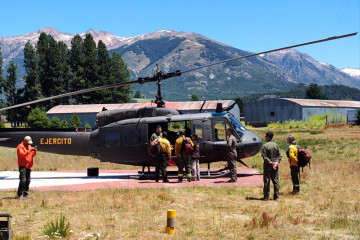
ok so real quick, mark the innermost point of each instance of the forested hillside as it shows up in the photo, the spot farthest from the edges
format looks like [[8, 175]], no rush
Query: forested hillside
[[52, 69]]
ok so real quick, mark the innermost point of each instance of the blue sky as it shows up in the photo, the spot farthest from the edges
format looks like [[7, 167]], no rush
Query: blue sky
[[256, 25]]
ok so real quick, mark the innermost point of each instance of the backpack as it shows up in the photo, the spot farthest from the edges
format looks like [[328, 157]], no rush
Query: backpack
[[186, 147], [304, 157], [154, 148]]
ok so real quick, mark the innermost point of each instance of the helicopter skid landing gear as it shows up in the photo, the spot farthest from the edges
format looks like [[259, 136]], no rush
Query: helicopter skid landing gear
[[143, 176], [222, 172]]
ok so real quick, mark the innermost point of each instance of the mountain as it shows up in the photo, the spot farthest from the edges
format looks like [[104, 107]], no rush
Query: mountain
[[304, 69], [171, 50], [355, 73]]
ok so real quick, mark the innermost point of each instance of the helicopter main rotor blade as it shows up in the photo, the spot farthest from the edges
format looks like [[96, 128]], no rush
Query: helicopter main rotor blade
[[274, 50], [160, 76], [71, 94]]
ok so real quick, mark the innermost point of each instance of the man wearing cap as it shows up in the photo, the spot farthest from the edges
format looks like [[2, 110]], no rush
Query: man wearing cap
[[25, 153], [271, 154], [183, 158], [292, 154]]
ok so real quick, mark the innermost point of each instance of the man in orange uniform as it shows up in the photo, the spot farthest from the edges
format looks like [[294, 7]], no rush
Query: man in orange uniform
[[25, 153]]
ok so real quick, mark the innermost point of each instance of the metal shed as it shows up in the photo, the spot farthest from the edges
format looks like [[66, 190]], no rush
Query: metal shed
[[87, 112], [269, 110]]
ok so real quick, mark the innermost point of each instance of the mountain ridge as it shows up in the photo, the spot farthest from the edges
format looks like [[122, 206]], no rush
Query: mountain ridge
[[173, 50]]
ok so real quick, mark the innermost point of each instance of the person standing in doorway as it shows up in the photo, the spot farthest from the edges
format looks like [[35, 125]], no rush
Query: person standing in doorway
[[271, 154], [25, 154], [156, 134]]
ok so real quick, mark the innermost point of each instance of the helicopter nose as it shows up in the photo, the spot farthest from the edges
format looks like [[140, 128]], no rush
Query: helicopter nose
[[252, 144]]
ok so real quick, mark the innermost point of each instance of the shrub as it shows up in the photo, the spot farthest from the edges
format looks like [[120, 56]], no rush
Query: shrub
[[58, 229], [74, 121], [64, 123], [38, 119], [87, 125], [55, 123]]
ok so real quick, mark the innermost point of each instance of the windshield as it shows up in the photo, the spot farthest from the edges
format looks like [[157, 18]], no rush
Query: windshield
[[239, 128]]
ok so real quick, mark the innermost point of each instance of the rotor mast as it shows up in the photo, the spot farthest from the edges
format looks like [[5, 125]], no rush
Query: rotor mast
[[159, 102]]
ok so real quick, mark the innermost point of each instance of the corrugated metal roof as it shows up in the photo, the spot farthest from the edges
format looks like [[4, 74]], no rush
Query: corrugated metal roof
[[324, 103], [91, 108]]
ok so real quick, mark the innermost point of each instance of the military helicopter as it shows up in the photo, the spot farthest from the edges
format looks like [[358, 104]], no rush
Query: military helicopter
[[122, 136]]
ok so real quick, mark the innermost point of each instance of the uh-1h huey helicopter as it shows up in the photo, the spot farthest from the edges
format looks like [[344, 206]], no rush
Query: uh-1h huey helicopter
[[122, 136]]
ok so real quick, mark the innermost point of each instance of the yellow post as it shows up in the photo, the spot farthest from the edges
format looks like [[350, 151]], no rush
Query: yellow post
[[170, 226]]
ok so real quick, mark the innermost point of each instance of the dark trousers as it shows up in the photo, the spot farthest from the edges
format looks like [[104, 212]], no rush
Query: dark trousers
[[231, 160], [295, 178], [181, 163], [273, 175], [24, 181], [160, 167]]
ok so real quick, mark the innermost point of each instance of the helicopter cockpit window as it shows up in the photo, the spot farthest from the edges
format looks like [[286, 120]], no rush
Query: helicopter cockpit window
[[239, 128], [132, 137], [111, 139], [219, 130]]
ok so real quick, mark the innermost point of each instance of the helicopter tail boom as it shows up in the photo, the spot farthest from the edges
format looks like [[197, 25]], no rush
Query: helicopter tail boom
[[52, 141]]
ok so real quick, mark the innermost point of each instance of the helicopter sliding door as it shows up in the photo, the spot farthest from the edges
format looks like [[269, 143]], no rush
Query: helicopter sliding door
[[125, 144], [219, 138], [203, 131]]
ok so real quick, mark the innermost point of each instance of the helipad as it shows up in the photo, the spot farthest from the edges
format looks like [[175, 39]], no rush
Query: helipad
[[118, 179]]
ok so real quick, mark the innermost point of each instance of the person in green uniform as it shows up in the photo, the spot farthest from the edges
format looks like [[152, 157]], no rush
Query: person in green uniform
[[156, 134], [231, 154], [271, 154]]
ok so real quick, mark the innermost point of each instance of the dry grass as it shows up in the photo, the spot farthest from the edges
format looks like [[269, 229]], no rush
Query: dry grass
[[327, 208]]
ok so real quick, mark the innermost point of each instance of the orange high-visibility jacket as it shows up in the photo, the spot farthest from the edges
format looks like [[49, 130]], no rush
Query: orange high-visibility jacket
[[25, 155]]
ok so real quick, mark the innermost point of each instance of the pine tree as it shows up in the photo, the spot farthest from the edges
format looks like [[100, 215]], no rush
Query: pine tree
[[119, 74], [32, 89], [103, 74], [66, 73], [313, 92], [50, 68], [43, 63], [1, 69], [137, 94], [12, 94], [77, 65], [194, 97], [90, 67]]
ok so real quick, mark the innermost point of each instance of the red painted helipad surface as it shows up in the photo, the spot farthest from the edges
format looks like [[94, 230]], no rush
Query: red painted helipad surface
[[119, 179]]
